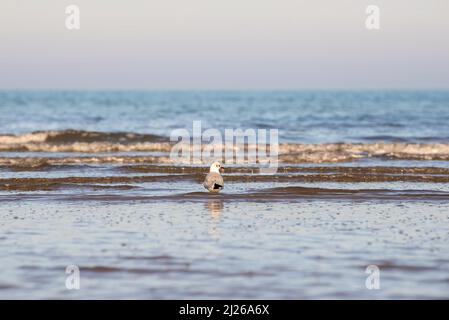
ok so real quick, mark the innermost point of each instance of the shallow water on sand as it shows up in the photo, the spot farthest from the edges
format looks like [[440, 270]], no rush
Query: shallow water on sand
[[148, 230], [225, 249]]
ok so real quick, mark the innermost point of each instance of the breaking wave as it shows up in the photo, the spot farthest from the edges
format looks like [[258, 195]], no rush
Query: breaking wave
[[88, 142], [83, 142], [344, 152]]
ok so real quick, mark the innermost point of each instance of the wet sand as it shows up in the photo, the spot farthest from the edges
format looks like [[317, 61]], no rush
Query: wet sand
[[223, 249]]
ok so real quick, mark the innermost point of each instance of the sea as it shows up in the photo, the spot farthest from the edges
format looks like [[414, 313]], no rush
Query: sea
[[88, 183]]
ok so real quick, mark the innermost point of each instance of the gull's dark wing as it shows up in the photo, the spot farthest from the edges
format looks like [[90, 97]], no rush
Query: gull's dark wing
[[213, 181]]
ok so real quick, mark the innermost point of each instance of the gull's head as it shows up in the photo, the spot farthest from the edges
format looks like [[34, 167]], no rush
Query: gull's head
[[216, 167]]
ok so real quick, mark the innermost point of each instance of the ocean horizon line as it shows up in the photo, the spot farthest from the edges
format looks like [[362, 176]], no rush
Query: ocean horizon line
[[397, 89]]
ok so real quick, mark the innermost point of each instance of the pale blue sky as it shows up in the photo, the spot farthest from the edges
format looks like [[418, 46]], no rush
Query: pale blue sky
[[224, 44]]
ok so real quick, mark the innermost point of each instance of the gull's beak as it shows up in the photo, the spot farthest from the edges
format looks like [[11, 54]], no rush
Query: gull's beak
[[221, 169]]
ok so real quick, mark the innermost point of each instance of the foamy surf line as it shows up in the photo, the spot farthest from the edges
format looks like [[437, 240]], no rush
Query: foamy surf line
[[83, 142], [86, 142]]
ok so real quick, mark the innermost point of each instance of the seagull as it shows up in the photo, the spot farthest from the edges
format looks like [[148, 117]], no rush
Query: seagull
[[214, 180]]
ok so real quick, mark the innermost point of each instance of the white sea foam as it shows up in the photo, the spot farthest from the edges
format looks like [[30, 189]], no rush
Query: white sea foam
[[98, 142]]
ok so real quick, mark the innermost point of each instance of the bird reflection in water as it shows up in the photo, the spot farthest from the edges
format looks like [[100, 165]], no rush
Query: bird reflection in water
[[215, 208]]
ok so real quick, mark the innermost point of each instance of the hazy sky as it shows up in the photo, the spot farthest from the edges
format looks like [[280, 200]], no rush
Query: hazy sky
[[229, 44]]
